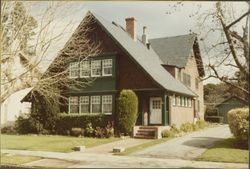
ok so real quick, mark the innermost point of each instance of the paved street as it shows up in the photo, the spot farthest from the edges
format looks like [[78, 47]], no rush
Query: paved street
[[189, 146], [175, 153], [84, 160]]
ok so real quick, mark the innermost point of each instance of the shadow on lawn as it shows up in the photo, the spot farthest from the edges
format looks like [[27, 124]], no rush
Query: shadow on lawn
[[208, 142], [203, 142]]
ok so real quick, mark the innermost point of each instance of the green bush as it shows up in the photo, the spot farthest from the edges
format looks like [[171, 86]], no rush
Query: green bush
[[10, 129], [66, 122], [77, 132], [238, 120], [100, 132], [109, 130], [174, 129], [195, 127], [201, 124], [89, 130], [168, 133], [127, 105], [214, 119], [186, 127], [26, 124]]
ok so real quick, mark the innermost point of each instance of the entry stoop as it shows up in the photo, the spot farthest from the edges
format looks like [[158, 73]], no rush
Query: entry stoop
[[145, 132], [149, 132]]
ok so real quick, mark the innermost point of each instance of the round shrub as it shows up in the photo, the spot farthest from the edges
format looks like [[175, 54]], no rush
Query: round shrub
[[186, 127], [238, 120], [127, 105], [201, 124], [168, 133], [26, 125], [77, 132]]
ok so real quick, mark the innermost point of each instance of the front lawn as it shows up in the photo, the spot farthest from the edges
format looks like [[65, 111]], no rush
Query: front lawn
[[9, 159], [225, 151], [49, 143]]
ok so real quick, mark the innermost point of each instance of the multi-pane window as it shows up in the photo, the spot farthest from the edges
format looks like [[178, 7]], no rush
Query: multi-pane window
[[85, 69], [182, 101], [84, 104], [196, 83], [107, 67], [95, 104], [96, 68], [174, 101], [185, 101], [178, 101], [187, 79], [73, 104], [189, 102], [107, 104], [73, 69]]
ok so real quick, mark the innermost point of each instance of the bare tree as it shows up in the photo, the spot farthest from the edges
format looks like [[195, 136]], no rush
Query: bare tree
[[28, 40], [231, 50]]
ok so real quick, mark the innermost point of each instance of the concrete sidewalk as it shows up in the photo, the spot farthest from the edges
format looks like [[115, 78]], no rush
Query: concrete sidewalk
[[90, 160], [125, 143]]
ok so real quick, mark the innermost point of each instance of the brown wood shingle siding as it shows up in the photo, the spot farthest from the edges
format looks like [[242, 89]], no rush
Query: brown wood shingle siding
[[129, 74]]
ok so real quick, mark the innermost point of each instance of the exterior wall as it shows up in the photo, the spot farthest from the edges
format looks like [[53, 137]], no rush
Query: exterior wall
[[192, 70], [225, 107], [179, 115]]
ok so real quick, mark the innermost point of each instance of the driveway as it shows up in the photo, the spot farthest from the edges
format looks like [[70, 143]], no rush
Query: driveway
[[189, 146]]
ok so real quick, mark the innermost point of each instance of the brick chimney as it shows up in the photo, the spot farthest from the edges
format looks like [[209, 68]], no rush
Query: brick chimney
[[131, 27]]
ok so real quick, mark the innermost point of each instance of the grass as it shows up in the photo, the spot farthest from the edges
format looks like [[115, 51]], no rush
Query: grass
[[225, 151], [134, 149], [49, 143], [16, 159]]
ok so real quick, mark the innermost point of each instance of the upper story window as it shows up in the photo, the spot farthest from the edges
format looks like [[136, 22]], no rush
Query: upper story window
[[73, 104], [96, 68], [74, 70], [187, 79], [84, 69], [107, 67]]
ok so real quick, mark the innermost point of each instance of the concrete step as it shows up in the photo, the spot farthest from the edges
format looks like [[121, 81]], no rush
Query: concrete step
[[145, 133], [144, 137], [148, 127], [146, 130]]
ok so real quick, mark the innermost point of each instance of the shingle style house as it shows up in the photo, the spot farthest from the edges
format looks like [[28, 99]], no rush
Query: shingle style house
[[164, 73]]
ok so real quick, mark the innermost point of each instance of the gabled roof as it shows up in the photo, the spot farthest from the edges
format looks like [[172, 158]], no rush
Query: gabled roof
[[175, 50], [232, 97], [146, 58]]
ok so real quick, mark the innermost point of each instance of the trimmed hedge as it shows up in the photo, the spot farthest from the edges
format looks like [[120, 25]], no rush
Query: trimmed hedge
[[238, 120], [66, 122], [127, 108]]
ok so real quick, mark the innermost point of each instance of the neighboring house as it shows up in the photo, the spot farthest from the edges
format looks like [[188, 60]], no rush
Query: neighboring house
[[228, 104], [11, 108], [164, 73]]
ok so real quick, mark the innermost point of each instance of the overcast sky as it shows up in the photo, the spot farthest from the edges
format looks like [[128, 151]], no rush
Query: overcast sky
[[152, 14]]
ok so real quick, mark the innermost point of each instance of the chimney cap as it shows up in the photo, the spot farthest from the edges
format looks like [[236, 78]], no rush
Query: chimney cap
[[130, 18]]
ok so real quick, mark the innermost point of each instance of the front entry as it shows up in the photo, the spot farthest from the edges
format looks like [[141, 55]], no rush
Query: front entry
[[155, 110]]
